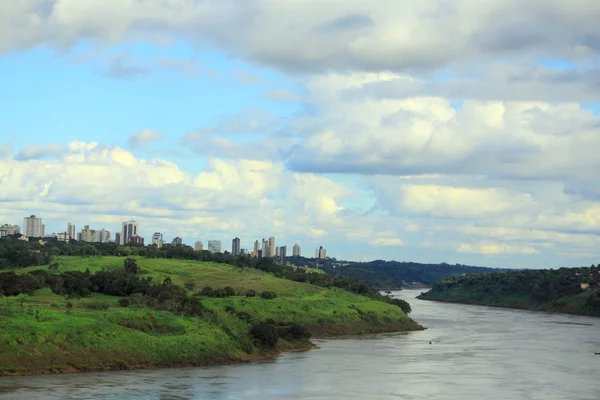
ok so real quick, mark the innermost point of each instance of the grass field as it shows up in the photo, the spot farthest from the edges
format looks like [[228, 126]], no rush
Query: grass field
[[40, 333]]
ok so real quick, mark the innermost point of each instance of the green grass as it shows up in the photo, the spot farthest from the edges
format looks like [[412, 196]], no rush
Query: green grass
[[40, 334], [180, 271]]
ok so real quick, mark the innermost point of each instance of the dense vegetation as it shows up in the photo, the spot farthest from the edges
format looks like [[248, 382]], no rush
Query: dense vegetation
[[569, 290], [391, 274]]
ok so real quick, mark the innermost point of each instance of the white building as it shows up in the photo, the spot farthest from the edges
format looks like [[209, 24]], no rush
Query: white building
[[198, 246], [296, 251], [33, 226], [71, 230], [129, 229], [214, 246], [87, 235], [63, 237], [102, 236], [157, 239], [9, 230]]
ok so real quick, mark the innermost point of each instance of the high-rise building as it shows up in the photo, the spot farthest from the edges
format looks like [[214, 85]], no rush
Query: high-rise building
[[71, 230], [321, 253], [198, 246], [33, 226], [9, 230], [296, 251], [256, 246], [102, 236], [272, 246], [63, 237], [118, 239], [214, 246], [129, 229], [277, 251], [282, 253], [265, 248], [235, 246], [157, 239], [177, 241], [87, 234]]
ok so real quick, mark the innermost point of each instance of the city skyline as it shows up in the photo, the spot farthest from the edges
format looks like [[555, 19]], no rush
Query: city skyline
[[130, 232]]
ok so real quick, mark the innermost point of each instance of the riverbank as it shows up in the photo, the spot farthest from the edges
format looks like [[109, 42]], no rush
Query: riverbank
[[574, 305], [48, 333]]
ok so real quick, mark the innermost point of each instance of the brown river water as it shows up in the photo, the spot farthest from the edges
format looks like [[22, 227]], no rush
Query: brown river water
[[475, 353]]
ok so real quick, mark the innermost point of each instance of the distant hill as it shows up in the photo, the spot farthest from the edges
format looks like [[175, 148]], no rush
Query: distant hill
[[392, 274], [568, 290]]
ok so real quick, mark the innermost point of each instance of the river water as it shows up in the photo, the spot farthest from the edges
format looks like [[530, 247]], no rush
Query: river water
[[475, 353]]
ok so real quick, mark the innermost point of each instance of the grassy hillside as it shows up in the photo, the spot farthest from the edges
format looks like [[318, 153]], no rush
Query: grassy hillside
[[45, 332], [566, 290]]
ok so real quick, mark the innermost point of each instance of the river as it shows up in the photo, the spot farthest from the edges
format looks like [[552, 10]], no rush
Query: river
[[475, 353]]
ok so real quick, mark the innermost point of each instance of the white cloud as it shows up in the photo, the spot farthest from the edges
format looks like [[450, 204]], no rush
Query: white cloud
[[424, 135], [35, 152], [492, 248], [144, 137], [335, 35], [387, 242]]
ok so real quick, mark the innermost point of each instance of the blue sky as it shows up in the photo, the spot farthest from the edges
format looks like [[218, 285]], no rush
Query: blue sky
[[421, 143]]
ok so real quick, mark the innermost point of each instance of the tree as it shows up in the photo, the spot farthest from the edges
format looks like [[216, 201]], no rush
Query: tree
[[131, 266]]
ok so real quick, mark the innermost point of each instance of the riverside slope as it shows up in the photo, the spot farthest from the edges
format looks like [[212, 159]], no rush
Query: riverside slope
[[46, 333]]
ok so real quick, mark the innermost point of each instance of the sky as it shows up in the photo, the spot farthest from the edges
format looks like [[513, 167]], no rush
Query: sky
[[431, 131]]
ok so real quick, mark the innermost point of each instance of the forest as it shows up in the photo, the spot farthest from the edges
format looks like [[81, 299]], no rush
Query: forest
[[569, 290], [383, 274]]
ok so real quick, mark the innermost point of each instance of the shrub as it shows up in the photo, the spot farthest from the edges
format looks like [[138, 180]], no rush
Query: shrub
[[229, 291], [264, 335], [230, 310], [251, 293], [403, 304], [268, 295], [131, 266], [244, 316], [124, 302], [295, 332], [97, 305]]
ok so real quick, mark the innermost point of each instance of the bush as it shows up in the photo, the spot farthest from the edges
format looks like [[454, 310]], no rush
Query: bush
[[230, 310], [244, 316], [268, 295], [124, 302], [229, 291], [131, 266], [295, 332], [206, 291], [97, 306], [264, 335], [193, 307], [403, 304], [251, 293]]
